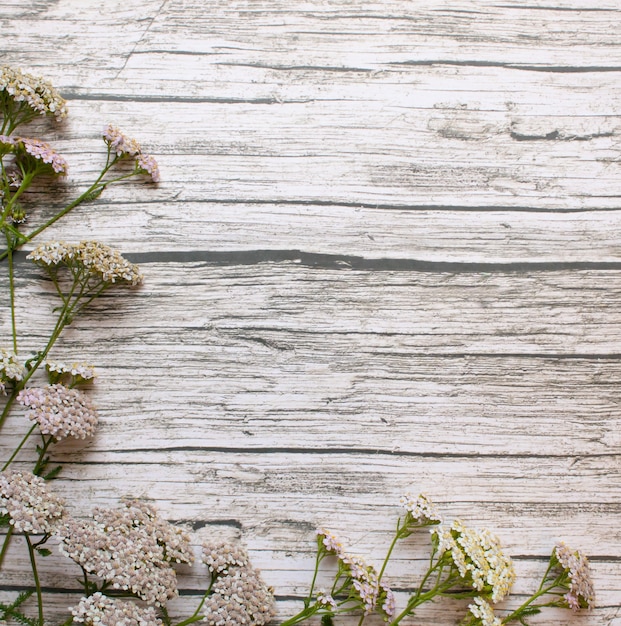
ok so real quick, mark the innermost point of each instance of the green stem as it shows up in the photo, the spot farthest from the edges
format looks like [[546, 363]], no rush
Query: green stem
[[190, 620], [97, 186], [9, 247], [7, 407], [301, 616], [15, 116], [61, 322], [430, 570], [35, 573], [19, 447], [42, 452], [318, 559], [419, 598], [540, 592], [8, 207], [5, 544], [390, 549], [195, 617], [165, 616]]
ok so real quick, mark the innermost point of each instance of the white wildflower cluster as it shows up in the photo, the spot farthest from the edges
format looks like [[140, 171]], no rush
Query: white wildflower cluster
[[130, 548], [11, 370], [482, 614], [60, 411], [581, 593], [421, 510], [100, 610], [37, 93], [365, 587], [478, 557], [98, 261], [124, 146], [238, 594], [32, 508], [78, 372], [53, 253]]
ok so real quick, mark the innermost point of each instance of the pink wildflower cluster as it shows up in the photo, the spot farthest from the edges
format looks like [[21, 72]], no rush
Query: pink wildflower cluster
[[219, 556], [32, 508], [130, 548], [326, 600], [365, 586], [124, 146], [38, 154], [120, 143], [100, 610], [581, 593], [174, 540], [238, 594], [41, 152], [60, 411], [7, 144], [148, 165]]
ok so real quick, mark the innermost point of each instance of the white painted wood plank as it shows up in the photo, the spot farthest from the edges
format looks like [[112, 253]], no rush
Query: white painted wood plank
[[322, 165]]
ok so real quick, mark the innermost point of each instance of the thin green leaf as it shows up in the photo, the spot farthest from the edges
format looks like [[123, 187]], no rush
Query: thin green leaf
[[53, 473]]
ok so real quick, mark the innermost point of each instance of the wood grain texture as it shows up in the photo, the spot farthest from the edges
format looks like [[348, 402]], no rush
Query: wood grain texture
[[384, 257]]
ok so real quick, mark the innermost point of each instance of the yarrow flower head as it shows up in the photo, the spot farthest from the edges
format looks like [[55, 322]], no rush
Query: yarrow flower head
[[11, 370], [126, 147], [364, 581], [100, 610], [35, 92], [77, 372], [478, 557], [94, 259], [387, 603], [125, 548], [329, 542], [148, 165], [239, 597], [421, 511], [360, 578], [575, 565], [60, 411], [174, 540], [326, 601], [481, 614], [31, 507], [7, 144], [38, 156], [220, 556], [119, 143]]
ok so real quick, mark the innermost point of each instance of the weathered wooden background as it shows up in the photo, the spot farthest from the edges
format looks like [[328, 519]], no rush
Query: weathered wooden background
[[385, 256]]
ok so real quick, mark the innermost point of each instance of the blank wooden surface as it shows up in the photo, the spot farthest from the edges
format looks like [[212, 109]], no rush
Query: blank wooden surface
[[384, 257]]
